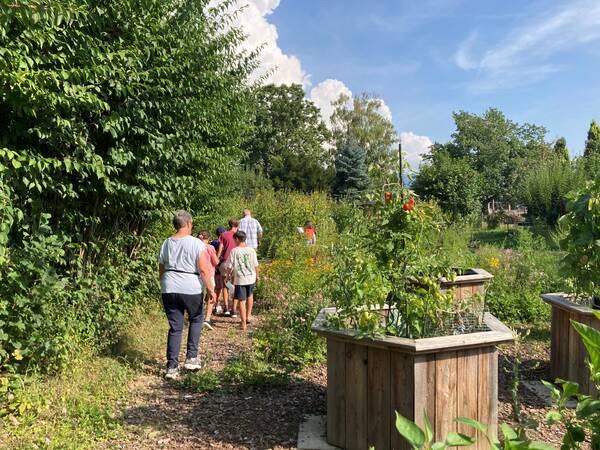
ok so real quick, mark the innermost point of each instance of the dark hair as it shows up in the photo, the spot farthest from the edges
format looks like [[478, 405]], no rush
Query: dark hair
[[234, 223], [220, 231], [308, 224], [240, 236], [204, 234]]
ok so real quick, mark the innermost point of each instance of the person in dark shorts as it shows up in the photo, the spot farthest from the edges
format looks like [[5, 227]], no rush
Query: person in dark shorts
[[242, 266], [226, 245], [219, 282]]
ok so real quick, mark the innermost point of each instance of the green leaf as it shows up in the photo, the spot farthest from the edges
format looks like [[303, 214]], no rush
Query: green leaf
[[508, 432], [553, 417], [472, 423], [428, 428], [587, 407], [410, 431], [540, 446], [458, 440]]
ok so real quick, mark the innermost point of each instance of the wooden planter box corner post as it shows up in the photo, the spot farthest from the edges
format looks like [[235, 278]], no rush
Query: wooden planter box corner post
[[446, 377], [472, 282], [567, 351]]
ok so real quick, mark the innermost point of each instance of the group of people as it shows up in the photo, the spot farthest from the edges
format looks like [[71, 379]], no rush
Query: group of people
[[193, 271]]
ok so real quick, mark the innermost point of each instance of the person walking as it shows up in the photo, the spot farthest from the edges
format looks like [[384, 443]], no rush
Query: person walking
[[243, 267], [226, 244], [252, 228], [219, 283], [210, 255], [184, 274]]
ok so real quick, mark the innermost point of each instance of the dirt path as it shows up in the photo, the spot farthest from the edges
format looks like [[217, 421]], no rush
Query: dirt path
[[163, 414], [166, 415]]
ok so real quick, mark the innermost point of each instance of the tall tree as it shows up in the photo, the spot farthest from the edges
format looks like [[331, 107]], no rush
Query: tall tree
[[453, 182], [498, 148], [351, 176], [114, 112], [561, 150], [592, 144], [360, 119], [288, 139]]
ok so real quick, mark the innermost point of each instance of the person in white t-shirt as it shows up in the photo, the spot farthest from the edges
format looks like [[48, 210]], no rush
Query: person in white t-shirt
[[184, 274], [243, 266]]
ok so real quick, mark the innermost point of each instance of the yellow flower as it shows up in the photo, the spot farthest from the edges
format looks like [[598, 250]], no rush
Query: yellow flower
[[17, 355], [494, 262]]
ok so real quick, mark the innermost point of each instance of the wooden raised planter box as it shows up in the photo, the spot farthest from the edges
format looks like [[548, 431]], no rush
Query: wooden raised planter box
[[567, 351], [471, 282], [446, 377]]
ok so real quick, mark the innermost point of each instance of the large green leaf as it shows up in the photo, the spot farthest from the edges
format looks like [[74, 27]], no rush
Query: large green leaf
[[410, 431]]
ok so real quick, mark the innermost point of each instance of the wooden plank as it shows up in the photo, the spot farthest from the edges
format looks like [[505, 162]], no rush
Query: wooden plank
[[402, 391], [575, 370], [446, 393], [467, 382], [336, 393], [378, 398], [485, 395], [356, 397], [424, 389], [564, 338], [555, 343]]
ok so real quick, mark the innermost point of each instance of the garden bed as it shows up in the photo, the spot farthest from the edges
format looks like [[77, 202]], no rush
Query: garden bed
[[445, 377], [568, 353]]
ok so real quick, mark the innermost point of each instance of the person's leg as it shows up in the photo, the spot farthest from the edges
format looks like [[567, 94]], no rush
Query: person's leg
[[240, 295], [209, 307], [243, 314], [174, 310], [194, 305], [250, 302]]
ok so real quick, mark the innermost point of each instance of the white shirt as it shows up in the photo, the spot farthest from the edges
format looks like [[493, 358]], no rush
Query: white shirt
[[244, 263], [180, 260]]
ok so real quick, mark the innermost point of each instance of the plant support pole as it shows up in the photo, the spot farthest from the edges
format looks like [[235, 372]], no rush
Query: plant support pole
[[400, 180]]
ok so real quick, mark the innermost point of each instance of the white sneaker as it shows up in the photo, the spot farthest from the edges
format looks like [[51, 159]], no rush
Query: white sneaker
[[192, 364], [172, 374], [208, 324], [219, 309]]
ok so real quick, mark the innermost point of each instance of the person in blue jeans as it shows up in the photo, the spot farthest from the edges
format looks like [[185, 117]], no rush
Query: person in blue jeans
[[184, 275]]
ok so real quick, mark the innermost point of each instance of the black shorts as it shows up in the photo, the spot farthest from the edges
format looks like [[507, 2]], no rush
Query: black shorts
[[243, 291]]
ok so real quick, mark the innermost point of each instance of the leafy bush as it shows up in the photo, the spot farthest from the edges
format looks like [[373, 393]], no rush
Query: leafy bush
[[545, 187], [582, 238]]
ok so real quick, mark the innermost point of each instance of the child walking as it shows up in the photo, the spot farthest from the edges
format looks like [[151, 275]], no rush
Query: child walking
[[243, 266]]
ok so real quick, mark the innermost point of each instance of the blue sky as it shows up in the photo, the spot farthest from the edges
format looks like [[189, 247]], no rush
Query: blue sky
[[537, 61]]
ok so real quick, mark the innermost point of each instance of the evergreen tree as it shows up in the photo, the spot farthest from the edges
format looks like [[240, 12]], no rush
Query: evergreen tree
[[561, 150], [592, 144], [351, 176]]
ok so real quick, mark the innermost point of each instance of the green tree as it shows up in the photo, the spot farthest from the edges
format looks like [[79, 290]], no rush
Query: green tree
[[360, 120], [452, 182], [546, 185], [351, 176], [288, 140], [561, 150], [113, 113], [592, 144]]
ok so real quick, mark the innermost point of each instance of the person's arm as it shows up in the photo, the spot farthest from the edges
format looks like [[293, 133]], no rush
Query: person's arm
[[220, 251], [161, 271], [229, 265], [314, 239], [256, 267], [213, 258], [204, 274], [259, 234]]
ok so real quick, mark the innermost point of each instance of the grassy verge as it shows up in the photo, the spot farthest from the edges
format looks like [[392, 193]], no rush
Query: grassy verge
[[81, 406]]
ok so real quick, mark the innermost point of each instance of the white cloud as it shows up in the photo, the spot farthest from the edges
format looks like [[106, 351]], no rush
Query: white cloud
[[326, 92], [522, 57], [413, 147], [282, 68], [385, 111], [462, 56]]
